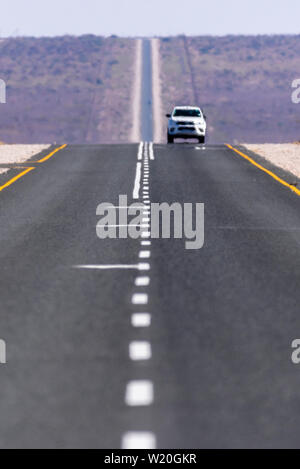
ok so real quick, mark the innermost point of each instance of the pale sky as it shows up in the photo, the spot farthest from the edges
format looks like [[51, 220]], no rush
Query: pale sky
[[148, 17]]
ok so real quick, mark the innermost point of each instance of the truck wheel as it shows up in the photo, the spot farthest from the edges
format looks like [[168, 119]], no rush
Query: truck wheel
[[170, 139], [202, 139]]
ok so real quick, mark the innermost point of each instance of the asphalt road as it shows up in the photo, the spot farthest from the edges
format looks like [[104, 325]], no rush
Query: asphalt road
[[223, 317], [146, 93]]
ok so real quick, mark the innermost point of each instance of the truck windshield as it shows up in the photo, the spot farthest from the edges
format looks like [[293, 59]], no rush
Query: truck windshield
[[187, 113]]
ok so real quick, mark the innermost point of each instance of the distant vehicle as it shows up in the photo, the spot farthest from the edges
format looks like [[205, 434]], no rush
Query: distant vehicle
[[186, 122]]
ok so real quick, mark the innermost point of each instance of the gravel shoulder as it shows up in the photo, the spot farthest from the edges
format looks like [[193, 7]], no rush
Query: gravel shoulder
[[283, 156], [14, 154]]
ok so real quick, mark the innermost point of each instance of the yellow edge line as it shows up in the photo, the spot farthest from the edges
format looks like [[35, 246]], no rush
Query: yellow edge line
[[51, 154], [14, 179], [265, 170]]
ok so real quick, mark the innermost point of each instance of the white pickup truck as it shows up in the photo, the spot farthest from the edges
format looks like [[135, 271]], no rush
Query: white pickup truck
[[186, 122]]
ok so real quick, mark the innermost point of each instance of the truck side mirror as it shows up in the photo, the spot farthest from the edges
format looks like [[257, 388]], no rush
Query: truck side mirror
[[168, 115]]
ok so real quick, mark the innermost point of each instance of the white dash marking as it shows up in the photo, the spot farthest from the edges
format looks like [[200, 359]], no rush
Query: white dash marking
[[144, 266], [139, 440], [146, 150], [145, 255], [142, 281], [141, 320], [140, 350], [139, 299], [145, 243], [145, 234], [139, 393]]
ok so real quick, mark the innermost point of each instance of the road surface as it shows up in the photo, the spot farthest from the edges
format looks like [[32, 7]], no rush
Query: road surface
[[146, 93], [217, 371]]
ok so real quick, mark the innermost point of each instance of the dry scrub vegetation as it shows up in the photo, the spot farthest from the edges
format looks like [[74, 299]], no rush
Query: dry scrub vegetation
[[66, 89], [243, 83]]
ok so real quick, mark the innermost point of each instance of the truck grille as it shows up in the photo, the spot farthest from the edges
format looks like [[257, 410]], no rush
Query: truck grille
[[186, 128]]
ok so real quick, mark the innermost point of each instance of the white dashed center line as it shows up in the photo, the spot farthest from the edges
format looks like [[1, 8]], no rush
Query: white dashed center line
[[144, 266], [140, 299], [140, 350], [146, 234], [142, 281], [141, 320], [139, 393], [145, 255], [145, 243], [139, 440]]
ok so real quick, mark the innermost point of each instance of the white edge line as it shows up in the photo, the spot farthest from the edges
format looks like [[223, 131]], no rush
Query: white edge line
[[151, 151], [140, 152]]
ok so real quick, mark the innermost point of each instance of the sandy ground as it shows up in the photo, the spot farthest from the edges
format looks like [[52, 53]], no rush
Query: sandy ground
[[18, 153], [136, 92], [156, 90], [285, 156]]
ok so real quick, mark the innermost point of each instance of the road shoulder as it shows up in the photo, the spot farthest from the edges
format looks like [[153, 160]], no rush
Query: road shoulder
[[280, 172]]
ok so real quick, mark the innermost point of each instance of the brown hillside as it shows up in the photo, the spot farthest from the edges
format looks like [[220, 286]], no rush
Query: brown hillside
[[66, 89], [243, 83]]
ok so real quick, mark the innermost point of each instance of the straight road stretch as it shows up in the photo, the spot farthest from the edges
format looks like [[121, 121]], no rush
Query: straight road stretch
[[140, 342]]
